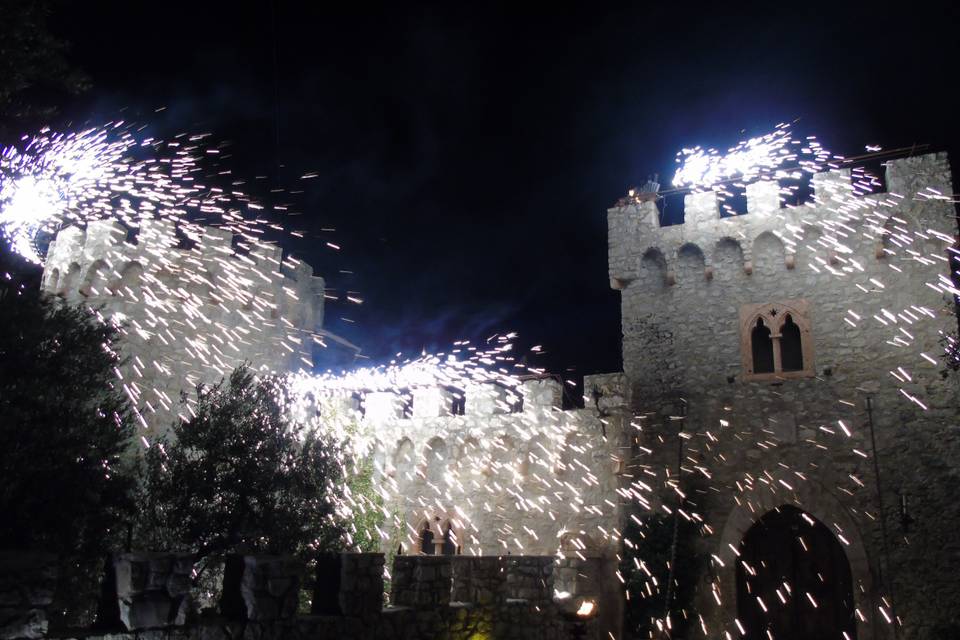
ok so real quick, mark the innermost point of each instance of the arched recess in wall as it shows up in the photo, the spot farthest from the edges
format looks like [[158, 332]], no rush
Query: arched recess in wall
[[435, 460], [537, 458], [71, 280], [503, 460], [690, 266], [95, 282], [53, 281], [788, 545], [380, 463], [129, 282], [403, 462], [469, 463], [728, 260], [768, 254], [811, 249], [761, 347], [653, 270]]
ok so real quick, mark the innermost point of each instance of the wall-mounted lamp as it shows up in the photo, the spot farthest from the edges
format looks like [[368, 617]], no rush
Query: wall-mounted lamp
[[586, 609]]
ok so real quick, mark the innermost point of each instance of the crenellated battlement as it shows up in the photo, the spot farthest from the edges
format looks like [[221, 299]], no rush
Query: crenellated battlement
[[99, 263], [842, 219], [191, 314], [465, 458]]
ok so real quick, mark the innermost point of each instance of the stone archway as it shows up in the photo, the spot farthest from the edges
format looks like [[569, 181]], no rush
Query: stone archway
[[817, 501], [794, 580]]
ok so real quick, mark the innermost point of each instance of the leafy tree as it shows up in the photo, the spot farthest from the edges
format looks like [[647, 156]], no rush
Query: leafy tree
[[366, 512], [241, 476], [64, 426], [34, 70]]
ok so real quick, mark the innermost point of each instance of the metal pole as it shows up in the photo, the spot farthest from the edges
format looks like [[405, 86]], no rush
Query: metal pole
[[883, 520], [676, 518]]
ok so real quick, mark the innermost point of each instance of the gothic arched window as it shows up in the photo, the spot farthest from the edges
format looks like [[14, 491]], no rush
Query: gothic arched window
[[449, 546], [791, 347], [762, 348], [426, 540], [775, 340]]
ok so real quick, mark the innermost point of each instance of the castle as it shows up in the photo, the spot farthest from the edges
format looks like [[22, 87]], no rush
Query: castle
[[190, 314], [787, 357], [798, 346]]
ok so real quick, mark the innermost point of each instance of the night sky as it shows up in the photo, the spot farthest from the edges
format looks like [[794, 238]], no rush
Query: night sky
[[466, 156]]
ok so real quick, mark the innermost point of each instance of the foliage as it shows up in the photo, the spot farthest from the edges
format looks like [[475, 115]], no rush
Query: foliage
[[33, 68], [652, 549], [366, 513], [359, 503], [64, 425], [240, 476]]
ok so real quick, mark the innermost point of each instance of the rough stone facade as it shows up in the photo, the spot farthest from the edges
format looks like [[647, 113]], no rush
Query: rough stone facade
[[502, 481], [863, 266], [148, 590], [500, 478], [505, 478], [190, 315]]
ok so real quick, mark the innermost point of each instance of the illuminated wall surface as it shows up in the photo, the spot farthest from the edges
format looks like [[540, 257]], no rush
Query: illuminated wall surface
[[866, 276], [873, 273], [190, 315]]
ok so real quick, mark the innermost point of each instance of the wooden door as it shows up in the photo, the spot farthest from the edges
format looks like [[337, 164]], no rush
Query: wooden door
[[793, 580]]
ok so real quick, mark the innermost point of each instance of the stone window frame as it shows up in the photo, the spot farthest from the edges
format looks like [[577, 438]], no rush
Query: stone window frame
[[437, 525], [774, 316]]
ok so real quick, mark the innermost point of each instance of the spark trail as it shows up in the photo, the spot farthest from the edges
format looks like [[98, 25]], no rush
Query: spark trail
[[52, 180]]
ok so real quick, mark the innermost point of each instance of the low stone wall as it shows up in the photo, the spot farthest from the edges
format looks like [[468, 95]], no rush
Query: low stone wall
[[147, 597], [261, 588], [147, 591], [27, 585]]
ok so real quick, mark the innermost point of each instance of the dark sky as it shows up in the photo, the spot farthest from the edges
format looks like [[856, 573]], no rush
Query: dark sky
[[467, 154]]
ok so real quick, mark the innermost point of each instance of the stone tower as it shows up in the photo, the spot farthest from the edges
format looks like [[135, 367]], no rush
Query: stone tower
[[779, 337], [190, 315]]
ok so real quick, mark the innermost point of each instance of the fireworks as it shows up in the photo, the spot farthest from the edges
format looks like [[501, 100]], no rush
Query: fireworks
[[532, 478], [53, 179], [774, 156]]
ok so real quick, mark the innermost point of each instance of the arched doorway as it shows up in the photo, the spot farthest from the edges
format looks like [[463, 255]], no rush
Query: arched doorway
[[794, 580]]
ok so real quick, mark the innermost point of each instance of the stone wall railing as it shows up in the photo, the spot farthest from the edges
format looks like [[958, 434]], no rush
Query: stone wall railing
[[146, 596], [429, 402]]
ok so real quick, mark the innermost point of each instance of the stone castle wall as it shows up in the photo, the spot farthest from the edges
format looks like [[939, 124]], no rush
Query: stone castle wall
[[507, 479], [147, 596], [190, 315], [756, 442], [500, 477]]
